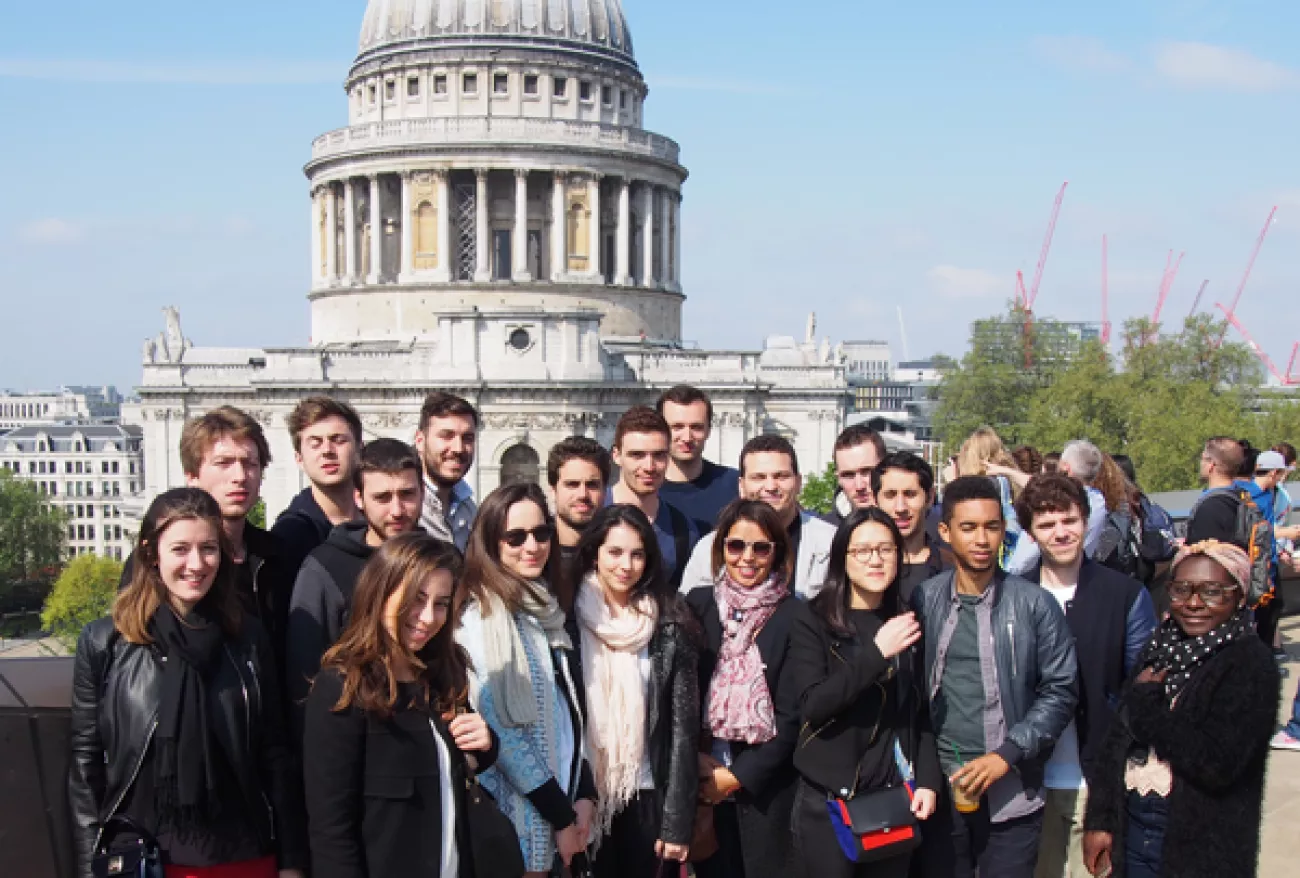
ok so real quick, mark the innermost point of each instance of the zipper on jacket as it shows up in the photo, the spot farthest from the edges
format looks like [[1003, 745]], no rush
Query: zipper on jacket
[[1011, 636], [248, 727], [148, 739]]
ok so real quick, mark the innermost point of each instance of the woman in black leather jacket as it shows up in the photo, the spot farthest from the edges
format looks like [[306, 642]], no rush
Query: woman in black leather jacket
[[637, 643], [176, 716]]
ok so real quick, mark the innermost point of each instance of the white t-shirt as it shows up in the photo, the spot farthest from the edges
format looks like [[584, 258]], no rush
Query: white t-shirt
[[450, 856], [1063, 770]]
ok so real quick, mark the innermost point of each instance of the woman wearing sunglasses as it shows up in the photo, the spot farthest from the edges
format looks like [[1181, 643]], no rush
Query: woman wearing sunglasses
[[750, 712], [386, 733], [853, 655], [1178, 785], [640, 662], [523, 677]]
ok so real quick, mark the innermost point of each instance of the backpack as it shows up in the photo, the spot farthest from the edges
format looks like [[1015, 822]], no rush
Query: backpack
[[1254, 531], [1120, 545]]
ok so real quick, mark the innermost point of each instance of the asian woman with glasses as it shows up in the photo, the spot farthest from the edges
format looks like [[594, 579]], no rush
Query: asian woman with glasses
[[750, 709]]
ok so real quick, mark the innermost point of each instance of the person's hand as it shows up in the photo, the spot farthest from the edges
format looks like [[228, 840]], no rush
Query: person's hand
[[675, 852], [718, 785], [586, 809], [898, 634], [470, 732], [923, 803], [1151, 675], [976, 776], [570, 841], [1097, 847]]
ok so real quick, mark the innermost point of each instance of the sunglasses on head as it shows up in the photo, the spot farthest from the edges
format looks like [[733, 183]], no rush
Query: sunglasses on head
[[736, 547], [515, 539]]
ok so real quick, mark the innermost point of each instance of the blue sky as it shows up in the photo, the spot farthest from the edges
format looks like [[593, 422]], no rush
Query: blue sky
[[845, 157]]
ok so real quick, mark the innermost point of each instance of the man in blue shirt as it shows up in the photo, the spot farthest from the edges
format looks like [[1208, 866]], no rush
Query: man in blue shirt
[[640, 452], [698, 487]]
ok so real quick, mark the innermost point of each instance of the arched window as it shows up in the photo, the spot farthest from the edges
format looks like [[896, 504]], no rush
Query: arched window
[[520, 464]]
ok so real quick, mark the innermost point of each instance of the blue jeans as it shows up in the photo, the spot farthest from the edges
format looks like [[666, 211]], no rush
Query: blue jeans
[[1293, 727], [1148, 817]]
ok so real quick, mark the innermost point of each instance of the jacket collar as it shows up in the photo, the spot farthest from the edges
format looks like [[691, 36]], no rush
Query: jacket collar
[[260, 543]]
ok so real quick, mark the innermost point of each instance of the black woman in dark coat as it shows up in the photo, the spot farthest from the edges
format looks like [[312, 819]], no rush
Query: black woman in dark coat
[[1177, 788], [852, 657], [177, 723], [388, 744], [638, 645], [751, 710]]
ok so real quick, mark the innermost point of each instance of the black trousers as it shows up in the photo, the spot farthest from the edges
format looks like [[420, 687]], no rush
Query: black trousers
[[1267, 618], [754, 840], [817, 852], [628, 851], [960, 845]]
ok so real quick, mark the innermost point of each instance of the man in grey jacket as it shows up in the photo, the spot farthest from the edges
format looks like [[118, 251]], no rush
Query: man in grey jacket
[[1002, 680]]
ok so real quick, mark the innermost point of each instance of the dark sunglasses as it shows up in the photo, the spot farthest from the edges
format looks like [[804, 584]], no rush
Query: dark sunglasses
[[736, 547], [515, 539]]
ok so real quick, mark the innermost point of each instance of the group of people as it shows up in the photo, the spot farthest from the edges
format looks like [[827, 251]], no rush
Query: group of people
[[666, 661]]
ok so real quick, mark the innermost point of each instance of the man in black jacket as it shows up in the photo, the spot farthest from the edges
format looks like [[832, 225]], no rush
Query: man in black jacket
[[390, 495], [1000, 672], [903, 485], [1111, 617], [326, 436]]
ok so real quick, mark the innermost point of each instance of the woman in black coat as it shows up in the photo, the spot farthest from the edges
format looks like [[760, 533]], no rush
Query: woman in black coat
[[1177, 787], [388, 745], [853, 658], [750, 709], [177, 723], [639, 652]]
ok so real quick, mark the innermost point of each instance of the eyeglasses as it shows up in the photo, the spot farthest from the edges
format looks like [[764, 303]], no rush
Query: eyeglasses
[[515, 539], [1213, 594], [864, 553], [762, 548]]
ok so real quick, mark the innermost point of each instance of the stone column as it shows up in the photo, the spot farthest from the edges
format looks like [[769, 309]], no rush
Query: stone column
[[559, 229], [519, 247], [622, 241], [332, 243], [407, 229], [315, 239], [664, 207], [648, 235], [444, 226], [353, 273], [376, 233], [677, 242], [482, 230], [593, 197]]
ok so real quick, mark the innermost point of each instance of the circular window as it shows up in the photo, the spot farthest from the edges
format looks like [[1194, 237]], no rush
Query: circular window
[[520, 340]]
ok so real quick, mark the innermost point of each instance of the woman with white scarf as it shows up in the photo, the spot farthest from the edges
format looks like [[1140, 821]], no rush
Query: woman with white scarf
[[524, 680], [639, 648], [751, 711]]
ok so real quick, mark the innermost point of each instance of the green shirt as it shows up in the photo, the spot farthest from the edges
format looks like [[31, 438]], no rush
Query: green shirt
[[960, 706]]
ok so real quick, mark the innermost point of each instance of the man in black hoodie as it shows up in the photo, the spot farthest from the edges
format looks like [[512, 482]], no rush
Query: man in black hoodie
[[326, 436], [390, 495]]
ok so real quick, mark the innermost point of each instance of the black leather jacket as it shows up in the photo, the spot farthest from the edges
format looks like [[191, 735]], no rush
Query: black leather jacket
[[116, 690]]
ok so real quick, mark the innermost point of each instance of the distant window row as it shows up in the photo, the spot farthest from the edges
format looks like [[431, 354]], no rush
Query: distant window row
[[115, 552], [70, 467], [83, 489], [88, 511], [469, 85]]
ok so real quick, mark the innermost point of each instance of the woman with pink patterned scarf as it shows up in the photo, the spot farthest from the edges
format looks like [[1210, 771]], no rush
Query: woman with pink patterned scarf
[[750, 709]]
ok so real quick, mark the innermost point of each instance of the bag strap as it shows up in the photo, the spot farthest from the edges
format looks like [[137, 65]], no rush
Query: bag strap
[[121, 824]]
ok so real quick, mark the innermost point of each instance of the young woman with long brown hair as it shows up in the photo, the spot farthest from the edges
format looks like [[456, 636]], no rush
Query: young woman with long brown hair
[[386, 727], [177, 723], [524, 679]]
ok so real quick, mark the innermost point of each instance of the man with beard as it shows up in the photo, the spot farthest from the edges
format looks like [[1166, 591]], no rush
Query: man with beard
[[578, 470], [698, 487], [445, 441], [903, 485], [326, 436], [389, 492]]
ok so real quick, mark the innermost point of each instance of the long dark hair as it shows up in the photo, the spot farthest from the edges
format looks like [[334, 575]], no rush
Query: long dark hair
[[652, 580], [759, 513], [484, 574], [366, 652], [832, 603]]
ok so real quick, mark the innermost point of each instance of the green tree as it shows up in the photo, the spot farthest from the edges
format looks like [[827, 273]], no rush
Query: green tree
[[31, 533], [1085, 399], [819, 490], [83, 593], [257, 515]]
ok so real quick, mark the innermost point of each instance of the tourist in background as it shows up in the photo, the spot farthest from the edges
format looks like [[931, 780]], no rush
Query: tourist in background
[[698, 487], [578, 470], [750, 709], [639, 657], [1028, 459], [1177, 786], [446, 442], [388, 742], [523, 677], [176, 716], [860, 688], [904, 488], [326, 437], [858, 451]]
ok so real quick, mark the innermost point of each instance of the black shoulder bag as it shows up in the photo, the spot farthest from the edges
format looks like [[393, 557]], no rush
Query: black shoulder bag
[[141, 860], [494, 844]]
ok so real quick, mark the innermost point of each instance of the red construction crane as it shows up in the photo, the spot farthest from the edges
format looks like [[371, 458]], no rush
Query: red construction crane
[[1285, 380], [1031, 297], [1166, 285], [1250, 266], [1291, 376], [1196, 303], [1105, 297], [1021, 295]]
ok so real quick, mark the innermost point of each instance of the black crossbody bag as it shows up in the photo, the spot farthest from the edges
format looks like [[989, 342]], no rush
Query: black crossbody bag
[[142, 860]]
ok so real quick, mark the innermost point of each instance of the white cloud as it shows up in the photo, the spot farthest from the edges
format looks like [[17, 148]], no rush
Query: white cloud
[[966, 283], [1199, 65], [89, 70], [1080, 54], [49, 231]]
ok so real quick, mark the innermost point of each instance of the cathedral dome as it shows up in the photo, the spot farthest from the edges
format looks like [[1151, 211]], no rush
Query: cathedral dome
[[593, 26]]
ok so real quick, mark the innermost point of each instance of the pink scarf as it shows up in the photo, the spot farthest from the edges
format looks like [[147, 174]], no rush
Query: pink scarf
[[740, 704]]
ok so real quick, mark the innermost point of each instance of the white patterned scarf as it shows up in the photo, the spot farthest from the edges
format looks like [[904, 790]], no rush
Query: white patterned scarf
[[507, 662]]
